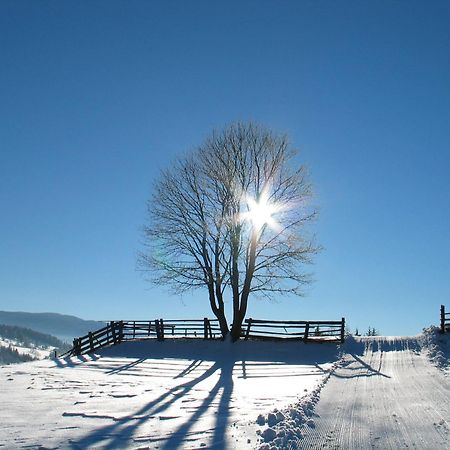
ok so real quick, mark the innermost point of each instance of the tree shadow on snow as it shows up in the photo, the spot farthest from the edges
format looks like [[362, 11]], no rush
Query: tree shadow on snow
[[116, 435], [247, 359], [373, 345], [357, 368]]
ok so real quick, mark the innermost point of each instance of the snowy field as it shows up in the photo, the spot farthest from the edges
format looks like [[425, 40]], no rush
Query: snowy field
[[163, 395], [36, 352], [371, 393]]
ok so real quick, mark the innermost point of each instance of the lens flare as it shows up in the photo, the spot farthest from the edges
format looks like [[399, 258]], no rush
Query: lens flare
[[260, 212]]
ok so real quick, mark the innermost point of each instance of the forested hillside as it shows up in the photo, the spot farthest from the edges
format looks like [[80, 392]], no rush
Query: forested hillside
[[18, 344]]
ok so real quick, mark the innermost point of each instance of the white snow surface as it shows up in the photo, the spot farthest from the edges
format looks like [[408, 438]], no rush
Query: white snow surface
[[384, 394], [437, 347], [165, 395]]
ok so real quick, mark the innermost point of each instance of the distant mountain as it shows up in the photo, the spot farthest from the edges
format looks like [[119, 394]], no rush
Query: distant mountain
[[62, 326]]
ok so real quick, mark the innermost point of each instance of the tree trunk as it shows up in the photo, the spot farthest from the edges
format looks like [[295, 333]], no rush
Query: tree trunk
[[218, 311], [240, 306], [222, 322], [237, 326]]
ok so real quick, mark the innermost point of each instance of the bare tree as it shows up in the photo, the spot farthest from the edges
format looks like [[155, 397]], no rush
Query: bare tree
[[231, 216]]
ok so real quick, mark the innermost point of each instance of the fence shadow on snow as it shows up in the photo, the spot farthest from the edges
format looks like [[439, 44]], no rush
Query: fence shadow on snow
[[179, 360]]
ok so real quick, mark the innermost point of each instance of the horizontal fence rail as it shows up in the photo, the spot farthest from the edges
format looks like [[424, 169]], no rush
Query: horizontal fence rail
[[116, 332], [317, 330], [160, 329], [445, 320]]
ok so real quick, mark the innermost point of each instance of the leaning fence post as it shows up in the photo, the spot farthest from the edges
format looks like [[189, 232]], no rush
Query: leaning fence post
[[343, 330], [442, 319]]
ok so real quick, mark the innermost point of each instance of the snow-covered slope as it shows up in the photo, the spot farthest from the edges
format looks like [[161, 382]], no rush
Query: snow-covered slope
[[437, 347], [33, 352], [382, 393], [18, 344], [168, 395]]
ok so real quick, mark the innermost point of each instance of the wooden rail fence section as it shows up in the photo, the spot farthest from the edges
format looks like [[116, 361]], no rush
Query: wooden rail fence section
[[116, 332], [445, 320], [318, 330]]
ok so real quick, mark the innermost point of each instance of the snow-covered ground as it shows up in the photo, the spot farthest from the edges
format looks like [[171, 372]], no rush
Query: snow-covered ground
[[33, 351], [437, 348], [164, 395], [385, 394], [379, 392]]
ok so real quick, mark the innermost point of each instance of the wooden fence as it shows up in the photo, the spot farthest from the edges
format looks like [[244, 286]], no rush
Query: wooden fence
[[116, 332], [120, 331], [445, 320], [321, 331]]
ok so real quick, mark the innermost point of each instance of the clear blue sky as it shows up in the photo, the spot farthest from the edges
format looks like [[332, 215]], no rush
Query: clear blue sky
[[96, 97]]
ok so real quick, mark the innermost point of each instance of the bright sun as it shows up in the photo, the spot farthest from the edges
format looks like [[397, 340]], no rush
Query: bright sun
[[260, 212]]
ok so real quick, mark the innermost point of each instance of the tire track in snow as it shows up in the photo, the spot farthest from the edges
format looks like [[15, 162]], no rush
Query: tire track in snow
[[385, 395]]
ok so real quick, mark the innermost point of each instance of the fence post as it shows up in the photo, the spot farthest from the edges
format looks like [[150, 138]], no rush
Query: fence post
[[205, 328], [91, 341], [305, 338], [343, 330], [249, 324], [442, 319], [77, 347], [157, 329], [120, 331], [113, 332], [161, 328]]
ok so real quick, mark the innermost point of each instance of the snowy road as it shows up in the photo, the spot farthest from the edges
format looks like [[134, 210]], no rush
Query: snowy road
[[386, 395]]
